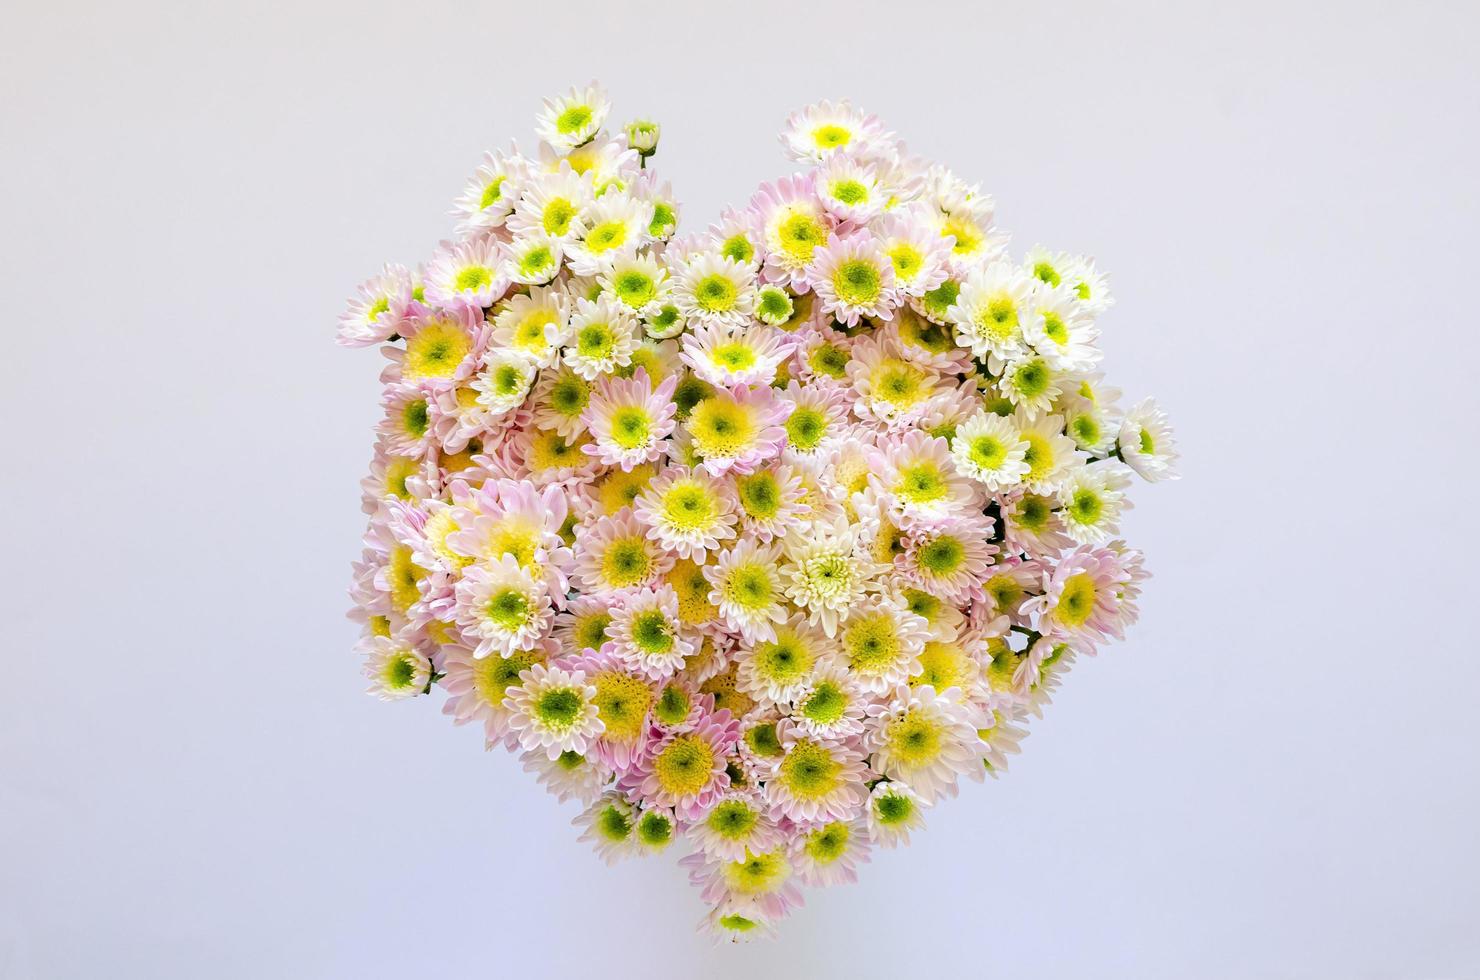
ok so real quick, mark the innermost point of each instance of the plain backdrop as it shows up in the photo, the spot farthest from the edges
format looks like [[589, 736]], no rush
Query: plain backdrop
[[1275, 776]]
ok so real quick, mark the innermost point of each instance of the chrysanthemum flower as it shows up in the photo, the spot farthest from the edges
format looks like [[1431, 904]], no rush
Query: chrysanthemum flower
[[853, 278], [950, 559], [1080, 597], [774, 306], [501, 608], [792, 225], [655, 828], [615, 554], [728, 357], [888, 388], [534, 324], [1050, 453], [624, 701], [747, 589], [610, 825], [1031, 523], [917, 476], [570, 775], [850, 189], [687, 511], [965, 218], [829, 854], [920, 257], [629, 420], [553, 205], [571, 119], [824, 128], [893, 811], [826, 572], [503, 382], [646, 635], [882, 642], [407, 425], [468, 272], [560, 400], [823, 355], [1090, 501], [926, 343], [733, 236], [815, 780], [532, 260], [831, 706], [770, 500], [816, 422], [762, 880], [989, 313], [1146, 443], [517, 520], [1089, 286], [638, 282], [686, 769], [476, 686], [442, 346], [1029, 382], [396, 668], [581, 628], [735, 822], [553, 710], [736, 922], [1061, 331], [780, 669], [491, 193], [716, 290], [737, 429], [616, 227], [988, 449], [375, 315], [603, 337]]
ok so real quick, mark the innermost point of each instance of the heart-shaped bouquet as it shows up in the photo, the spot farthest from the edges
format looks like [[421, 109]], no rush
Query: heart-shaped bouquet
[[763, 537]]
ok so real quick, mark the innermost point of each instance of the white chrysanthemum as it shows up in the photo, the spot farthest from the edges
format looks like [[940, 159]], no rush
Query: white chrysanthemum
[[655, 829], [816, 781], [827, 572], [687, 511], [916, 476], [603, 336], [610, 825], [989, 312], [888, 388], [893, 811], [746, 587], [736, 823], [533, 260], [469, 272], [554, 710], [829, 854], [1061, 330], [1091, 429], [853, 278], [553, 205], [502, 608], [850, 189], [817, 421], [925, 739], [823, 129], [639, 282], [777, 670], [1090, 501], [1146, 442], [1050, 453], [965, 216], [570, 775], [771, 501], [616, 227], [728, 357], [949, 560], [1089, 286], [1046, 266], [504, 382], [535, 325], [560, 400], [988, 449], [615, 554], [491, 193], [645, 633], [714, 289], [1028, 381], [831, 706], [396, 668], [918, 254], [569, 120], [882, 642], [773, 306]]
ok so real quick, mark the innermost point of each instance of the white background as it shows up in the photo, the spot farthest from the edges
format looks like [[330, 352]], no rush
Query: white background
[[1276, 776]]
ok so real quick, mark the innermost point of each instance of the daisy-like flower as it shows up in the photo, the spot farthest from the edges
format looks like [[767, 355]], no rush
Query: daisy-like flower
[[829, 854], [1046, 266], [761, 881], [1090, 501], [624, 702], [396, 668], [501, 608], [929, 344], [407, 425], [1146, 443], [655, 829], [616, 227], [560, 400], [825, 128], [615, 554], [581, 628], [733, 236], [646, 635], [1081, 596], [686, 769], [893, 811], [375, 315], [770, 501], [737, 429], [949, 560], [1030, 382], [1084, 422], [989, 313], [639, 282], [688, 512], [603, 337], [925, 740], [1050, 453], [882, 642], [534, 324], [816, 781], [736, 822], [853, 278], [491, 193], [1089, 286], [823, 355], [570, 775], [504, 381], [468, 272], [816, 422], [747, 589], [629, 420], [442, 346], [574, 118], [716, 290], [917, 476], [826, 572], [780, 669], [729, 357], [532, 260], [1061, 330], [988, 449], [1030, 523], [887, 388], [553, 710], [476, 686], [919, 256], [964, 216], [773, 306], [736, 922], [553, 206], [830, 707], [609, 824], [792, 225], [517, 520], [850, 189]]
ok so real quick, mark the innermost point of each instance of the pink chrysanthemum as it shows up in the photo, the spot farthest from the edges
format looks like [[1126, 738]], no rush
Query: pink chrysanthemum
[[737, 429], [629, 419], [728, 356], [685, 769], [853, 278], [646, 635], [687, 511], [468, 272], [375, 315]]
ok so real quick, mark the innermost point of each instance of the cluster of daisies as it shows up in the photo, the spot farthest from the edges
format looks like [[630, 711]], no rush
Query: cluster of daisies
[[763, 538]]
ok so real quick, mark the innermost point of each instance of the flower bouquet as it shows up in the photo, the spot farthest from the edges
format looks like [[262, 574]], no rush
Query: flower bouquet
[[761, 538]]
